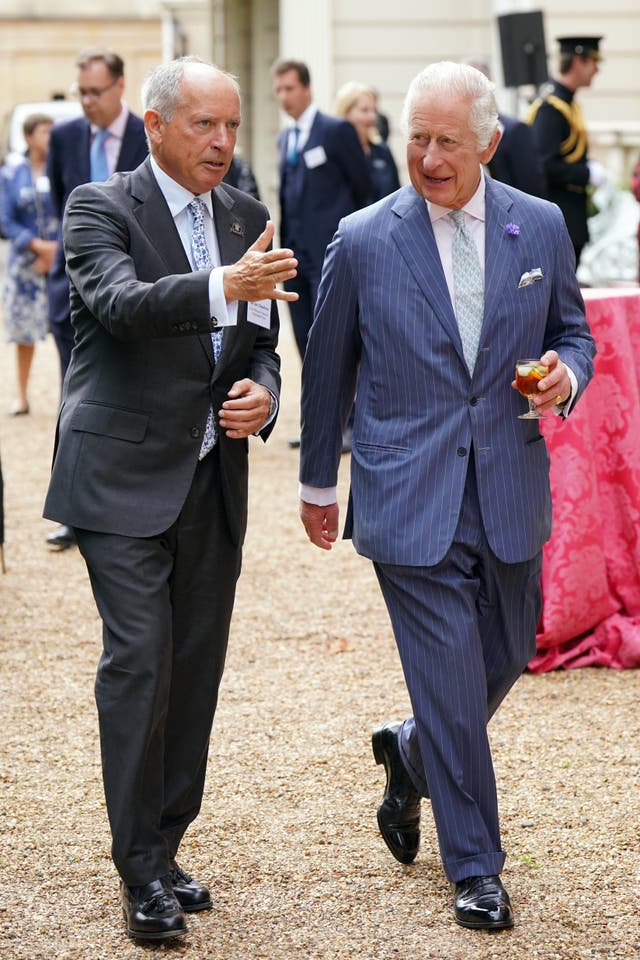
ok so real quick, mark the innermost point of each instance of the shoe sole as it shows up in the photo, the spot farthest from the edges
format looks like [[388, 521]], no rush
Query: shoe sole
[[196, 907], [164, 935], [500, 925], [153, 934]]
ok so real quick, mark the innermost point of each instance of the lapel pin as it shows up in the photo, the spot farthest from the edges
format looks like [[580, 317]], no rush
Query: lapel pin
[[237, 229]]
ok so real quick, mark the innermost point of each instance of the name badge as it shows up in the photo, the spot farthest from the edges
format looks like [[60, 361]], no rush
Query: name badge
[[315, 157], [260, 313]]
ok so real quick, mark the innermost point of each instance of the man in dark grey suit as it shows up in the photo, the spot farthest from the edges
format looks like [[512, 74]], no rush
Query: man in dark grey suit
[[174, 367], [100, 88], [427, 301]]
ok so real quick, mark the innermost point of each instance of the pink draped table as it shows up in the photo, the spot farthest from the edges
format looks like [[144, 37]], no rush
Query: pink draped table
[[591, 565]]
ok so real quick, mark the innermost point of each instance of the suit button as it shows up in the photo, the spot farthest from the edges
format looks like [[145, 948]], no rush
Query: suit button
[[195, 432], [473, 401], [462, 451]]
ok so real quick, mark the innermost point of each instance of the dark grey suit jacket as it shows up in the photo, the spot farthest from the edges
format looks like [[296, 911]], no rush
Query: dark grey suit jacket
[[141, 379]]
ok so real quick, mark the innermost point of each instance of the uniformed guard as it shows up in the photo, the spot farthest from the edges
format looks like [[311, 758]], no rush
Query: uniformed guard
[[562, 137]]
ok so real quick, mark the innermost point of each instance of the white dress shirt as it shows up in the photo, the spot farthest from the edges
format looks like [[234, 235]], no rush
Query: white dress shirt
[[304, 124], [444, 231], [178, 198]]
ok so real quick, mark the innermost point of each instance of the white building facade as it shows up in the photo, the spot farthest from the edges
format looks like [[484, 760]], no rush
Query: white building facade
[[374, 41]]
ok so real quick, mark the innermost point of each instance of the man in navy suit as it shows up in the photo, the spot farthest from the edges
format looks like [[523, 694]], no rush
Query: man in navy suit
[[323, 177], [100, 88], [427, 300]]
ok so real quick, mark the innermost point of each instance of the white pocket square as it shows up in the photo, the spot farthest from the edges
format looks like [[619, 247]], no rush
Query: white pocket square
[[530, 276]]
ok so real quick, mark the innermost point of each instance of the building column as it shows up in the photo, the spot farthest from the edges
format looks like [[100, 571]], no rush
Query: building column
[[306, 33]]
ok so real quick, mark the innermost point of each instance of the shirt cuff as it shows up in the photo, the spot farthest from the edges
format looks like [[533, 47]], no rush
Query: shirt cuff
[[273, 410], [320, 496], [564, 408], [225, 313]]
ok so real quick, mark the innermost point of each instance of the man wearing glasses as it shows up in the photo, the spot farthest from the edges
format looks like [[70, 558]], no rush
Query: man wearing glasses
[[106, 139]]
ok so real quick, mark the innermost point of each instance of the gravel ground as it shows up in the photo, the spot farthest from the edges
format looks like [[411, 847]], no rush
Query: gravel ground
[[287, 837]]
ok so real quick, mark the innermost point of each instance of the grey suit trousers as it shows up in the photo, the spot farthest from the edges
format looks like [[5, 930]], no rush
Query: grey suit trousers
[[166, 604]]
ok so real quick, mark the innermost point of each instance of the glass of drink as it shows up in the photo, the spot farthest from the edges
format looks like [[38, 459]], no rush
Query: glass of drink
[[528, 375]]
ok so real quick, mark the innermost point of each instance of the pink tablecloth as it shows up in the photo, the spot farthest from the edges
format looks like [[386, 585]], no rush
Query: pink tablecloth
[[591, 565]]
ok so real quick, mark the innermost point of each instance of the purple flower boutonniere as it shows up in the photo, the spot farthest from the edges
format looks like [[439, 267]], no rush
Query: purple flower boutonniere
[[513, 229]]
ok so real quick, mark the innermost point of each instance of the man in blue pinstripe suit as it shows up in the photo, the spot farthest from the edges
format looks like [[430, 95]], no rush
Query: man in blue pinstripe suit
[[450, 493]]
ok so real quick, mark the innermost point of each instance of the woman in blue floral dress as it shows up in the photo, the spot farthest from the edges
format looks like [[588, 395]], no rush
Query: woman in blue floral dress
[[28, 222]]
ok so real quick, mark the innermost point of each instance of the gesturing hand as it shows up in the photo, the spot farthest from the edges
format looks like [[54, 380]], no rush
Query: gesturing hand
[[255, 275]]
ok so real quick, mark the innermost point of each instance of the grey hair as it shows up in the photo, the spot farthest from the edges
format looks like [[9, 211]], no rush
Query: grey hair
[[162, 89], [457, 81]]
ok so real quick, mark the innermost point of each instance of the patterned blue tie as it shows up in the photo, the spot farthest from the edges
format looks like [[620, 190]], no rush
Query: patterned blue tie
[[202, 260], [292, 155], [468, 288], [99, 165]]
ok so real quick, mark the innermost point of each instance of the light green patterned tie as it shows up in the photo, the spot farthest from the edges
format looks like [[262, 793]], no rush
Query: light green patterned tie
[[468, 288]]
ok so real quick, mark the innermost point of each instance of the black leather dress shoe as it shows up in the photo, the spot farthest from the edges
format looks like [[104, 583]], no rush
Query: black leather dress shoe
[[190, 894], [482, 903], [152, 912], [399, 812], [62, 537]]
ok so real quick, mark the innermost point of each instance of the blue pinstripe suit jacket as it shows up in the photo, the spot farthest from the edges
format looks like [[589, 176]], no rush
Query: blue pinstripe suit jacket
[[384, 320]]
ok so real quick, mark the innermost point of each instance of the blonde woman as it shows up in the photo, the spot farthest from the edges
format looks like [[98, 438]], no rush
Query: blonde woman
[[357, 103]]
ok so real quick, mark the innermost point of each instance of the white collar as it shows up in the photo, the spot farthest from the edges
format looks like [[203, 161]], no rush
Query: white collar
[[475, 207], [117, 128], [305, 120], [177, 196]]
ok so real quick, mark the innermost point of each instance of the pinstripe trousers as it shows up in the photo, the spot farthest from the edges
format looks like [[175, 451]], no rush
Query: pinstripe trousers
[[465, 630]]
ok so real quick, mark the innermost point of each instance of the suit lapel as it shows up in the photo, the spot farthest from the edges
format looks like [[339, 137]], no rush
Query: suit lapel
[[128, 149], [230, 227], [414, 237], [282, 151], [231, 234], [84, 153], [155, 218], [316, 133], [499, 250]]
